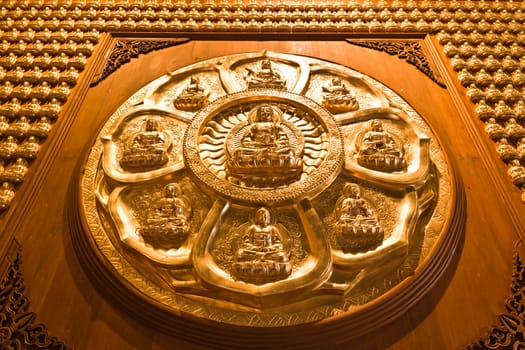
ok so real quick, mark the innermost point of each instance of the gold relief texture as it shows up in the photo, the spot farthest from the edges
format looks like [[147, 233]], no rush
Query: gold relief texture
[[262, 199], [44, 46]]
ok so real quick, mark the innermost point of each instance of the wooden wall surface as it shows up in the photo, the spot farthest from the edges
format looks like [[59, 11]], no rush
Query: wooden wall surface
[[457, 311]]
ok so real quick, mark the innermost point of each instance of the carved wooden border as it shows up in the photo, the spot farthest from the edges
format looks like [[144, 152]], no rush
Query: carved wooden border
[[408, 50], [511, 333], [18, 329], [125, 50]]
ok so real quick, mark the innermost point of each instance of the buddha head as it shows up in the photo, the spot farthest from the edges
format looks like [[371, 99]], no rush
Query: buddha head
[[152, 125], [376, 125], [266, 65], [172, 190], [262, 217], [352, 190], [265, 113], [336, 82]]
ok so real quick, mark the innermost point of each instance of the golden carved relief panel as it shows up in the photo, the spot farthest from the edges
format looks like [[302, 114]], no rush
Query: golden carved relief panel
[[267, 189]]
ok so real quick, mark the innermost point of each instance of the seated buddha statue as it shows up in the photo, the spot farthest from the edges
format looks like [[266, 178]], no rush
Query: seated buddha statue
[[167, 223], [265, 155], [378, 150], [261, 257], [357, 227], [8, 147], [147, 149], [265, 77], [193, 97], [516, 172], [337, 98], [15, 172], [7, 194]]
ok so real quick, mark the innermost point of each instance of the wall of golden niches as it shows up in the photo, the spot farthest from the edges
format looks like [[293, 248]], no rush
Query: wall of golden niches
[[44, 45]]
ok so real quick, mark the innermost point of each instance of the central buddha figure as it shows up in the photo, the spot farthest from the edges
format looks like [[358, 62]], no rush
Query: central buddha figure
[[147, 149], [261, 257], [167, 224], [261, 153], [379, 150], [265, 77]]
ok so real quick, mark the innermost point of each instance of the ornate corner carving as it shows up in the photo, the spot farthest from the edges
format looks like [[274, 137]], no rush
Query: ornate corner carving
[[408, 50], [511, 333], [17, 327], [125, 50]]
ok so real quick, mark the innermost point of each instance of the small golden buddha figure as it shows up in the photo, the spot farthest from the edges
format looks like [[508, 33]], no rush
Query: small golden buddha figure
[[357, 228], [11, 108], [19, 128], [520, 147], [337, 98], [147, 149], [167, 225], [8, 61], [516, 172], [30, 109], [5, 90], [60, 92], [8, 147], [7, 194], [265, 155], [51, 109], [43, 61], [70, 76], [378, 150], [506, 151], [41, 128], [193, 97], [28, 149], [494, 129], [22, 91], [265, 77], [15, 172], [514, 129], [261, 256], [42, 91], [4, 125], [51, 75]]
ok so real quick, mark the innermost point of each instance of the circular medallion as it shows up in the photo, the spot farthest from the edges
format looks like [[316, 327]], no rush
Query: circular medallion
[[265, 190]]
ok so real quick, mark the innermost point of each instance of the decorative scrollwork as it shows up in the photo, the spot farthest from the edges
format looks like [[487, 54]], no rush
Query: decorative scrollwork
[[408, 50], [511, 333], [125, 50], [17, 327]]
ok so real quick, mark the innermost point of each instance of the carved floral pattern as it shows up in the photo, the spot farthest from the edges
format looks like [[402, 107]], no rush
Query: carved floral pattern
[[17, 327], [125, 50], [409, 50], [511, 333]]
